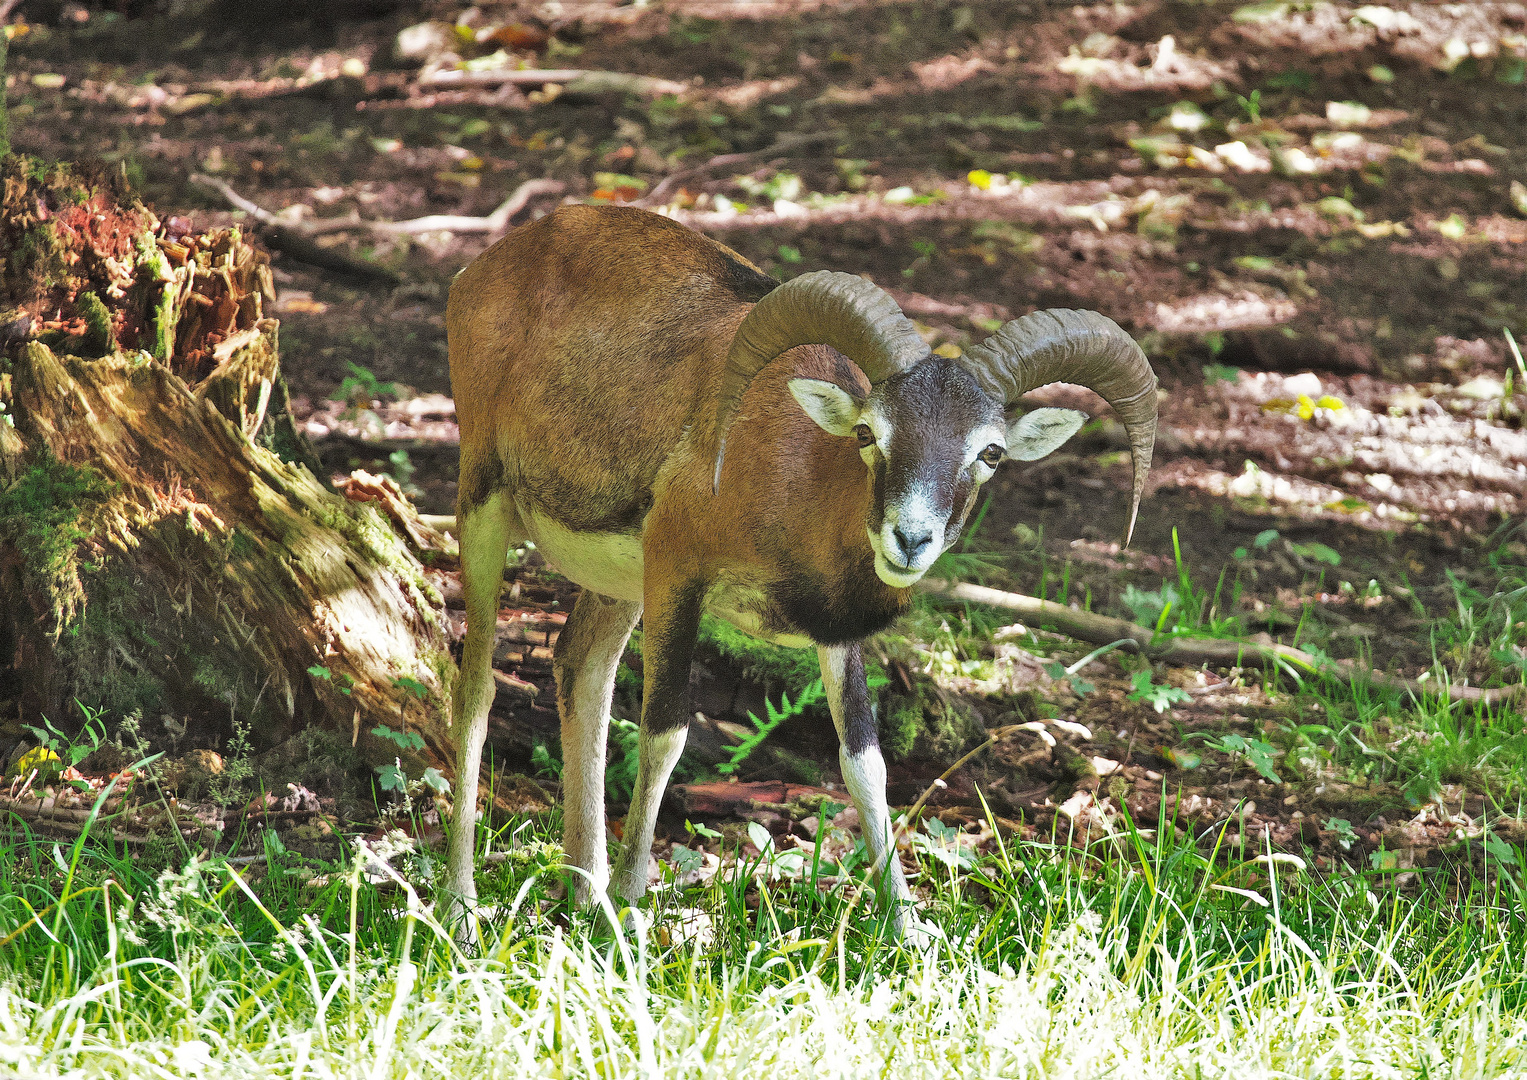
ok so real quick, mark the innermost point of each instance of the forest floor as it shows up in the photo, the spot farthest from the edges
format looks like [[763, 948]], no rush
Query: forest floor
[[1312, 216]]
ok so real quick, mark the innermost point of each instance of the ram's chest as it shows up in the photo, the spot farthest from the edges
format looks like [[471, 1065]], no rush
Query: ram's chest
[[747, 608], [608, 563]]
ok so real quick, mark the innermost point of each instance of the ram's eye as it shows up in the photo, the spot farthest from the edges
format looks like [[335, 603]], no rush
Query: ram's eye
[[863, 433], [992, 455]]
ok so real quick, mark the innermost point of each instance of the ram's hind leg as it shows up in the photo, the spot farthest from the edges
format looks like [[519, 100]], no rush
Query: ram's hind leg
[[487, 530], [587, 655]]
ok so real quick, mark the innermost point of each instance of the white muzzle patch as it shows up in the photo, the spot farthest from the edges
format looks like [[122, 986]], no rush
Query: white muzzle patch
[[910, 539]]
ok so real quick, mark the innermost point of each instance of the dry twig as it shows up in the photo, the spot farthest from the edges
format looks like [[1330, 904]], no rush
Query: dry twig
[[296, 242]]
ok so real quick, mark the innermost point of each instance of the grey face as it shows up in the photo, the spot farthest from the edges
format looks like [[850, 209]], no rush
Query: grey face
[[930, 438]]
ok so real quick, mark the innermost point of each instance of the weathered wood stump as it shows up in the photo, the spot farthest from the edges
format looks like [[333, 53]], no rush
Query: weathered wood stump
[[166, 549]]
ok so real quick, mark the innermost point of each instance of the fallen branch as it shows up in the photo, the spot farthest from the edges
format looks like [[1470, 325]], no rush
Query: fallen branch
[[1104, 629], [496, 222], [291, 240], [575, 81], [237, 201], [70, 822], [782, 146]]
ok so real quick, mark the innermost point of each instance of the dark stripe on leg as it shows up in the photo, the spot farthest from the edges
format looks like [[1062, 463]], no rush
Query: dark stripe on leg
[[860, 731]]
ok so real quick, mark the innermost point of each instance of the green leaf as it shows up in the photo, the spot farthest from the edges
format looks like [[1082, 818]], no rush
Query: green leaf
[[436, 780], [935, 828], [1264, 539], [391, 778], [1160, 698], [413, 686], [320, 672], [1258, 754], [685, 861], [1501, 850], [1184, 758], [403, 740], [1318, 552], [760, 837], [1261, 756]]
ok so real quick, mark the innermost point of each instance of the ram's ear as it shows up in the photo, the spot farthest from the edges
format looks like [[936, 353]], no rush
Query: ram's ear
[[1041, 431], [835, 410]]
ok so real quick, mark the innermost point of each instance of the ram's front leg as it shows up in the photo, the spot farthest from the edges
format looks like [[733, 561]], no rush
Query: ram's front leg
[[848, 696], [669, 626]]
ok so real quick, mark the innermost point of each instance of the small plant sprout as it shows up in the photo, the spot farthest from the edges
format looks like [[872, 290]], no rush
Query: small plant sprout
[[361, 387], [1078, 684], [404, 740], [1159, 697], [341, 682], [1258, 754], [812, 695], [56, 751], [942, 843], [1342, 828], [413, 686]]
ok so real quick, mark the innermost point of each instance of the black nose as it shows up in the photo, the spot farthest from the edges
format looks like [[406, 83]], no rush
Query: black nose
[[911, 546]]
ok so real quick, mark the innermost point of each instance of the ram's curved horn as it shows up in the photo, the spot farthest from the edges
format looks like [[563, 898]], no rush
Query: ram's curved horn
[[854, 316], [1080, 347]]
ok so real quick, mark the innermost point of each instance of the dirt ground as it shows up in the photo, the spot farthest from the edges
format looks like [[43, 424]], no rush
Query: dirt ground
[[1312, 215]]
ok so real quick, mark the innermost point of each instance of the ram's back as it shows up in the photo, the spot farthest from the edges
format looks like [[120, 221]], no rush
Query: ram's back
[[582, 346]]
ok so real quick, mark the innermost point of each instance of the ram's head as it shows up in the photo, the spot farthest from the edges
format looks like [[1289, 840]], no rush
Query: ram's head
[[932, 430]]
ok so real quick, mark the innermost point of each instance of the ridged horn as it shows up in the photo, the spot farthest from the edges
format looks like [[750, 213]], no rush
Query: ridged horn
[[1083, 348], [855, 317]]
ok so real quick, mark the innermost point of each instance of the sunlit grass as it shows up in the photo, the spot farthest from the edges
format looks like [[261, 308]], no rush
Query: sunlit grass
[[1144, 955]]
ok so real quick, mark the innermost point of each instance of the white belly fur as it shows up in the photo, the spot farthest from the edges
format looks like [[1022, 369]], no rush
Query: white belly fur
[[607, 563]]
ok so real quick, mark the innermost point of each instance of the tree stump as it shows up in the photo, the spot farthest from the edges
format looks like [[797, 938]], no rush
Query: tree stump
[[166, 547]]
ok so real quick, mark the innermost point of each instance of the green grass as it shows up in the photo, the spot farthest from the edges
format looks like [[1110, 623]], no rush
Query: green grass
[[1338, 729], [1143, 954]]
